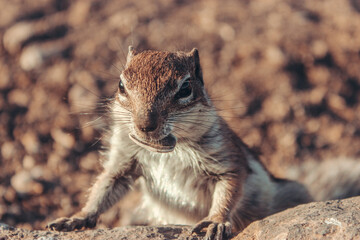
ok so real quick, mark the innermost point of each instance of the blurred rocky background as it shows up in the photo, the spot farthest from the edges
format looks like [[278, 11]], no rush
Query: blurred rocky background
[[285, 74]]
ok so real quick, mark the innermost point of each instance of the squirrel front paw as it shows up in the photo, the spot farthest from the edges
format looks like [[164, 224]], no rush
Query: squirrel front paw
[[72, 223], [215, 230]]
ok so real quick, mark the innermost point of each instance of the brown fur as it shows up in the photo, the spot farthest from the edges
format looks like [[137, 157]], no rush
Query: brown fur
[[210, 177]]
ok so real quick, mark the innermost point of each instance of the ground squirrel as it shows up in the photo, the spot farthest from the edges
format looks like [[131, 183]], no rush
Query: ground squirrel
[[194, 168]]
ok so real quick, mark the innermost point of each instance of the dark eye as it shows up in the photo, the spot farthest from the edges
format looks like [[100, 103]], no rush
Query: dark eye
[[184, 91], [121, 87]]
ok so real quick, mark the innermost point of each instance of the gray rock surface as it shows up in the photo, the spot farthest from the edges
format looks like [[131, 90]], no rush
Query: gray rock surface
[[139, 232], [337, 219]]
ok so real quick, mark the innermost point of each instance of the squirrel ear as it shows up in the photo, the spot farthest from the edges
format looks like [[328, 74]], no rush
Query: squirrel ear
[[194, 53], [130, 55]]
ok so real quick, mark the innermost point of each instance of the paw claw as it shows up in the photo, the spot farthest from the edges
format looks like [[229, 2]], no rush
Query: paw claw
[[201, 225], [228, 229], [70, 224], [211, 231], [220, 231], [215, 230]]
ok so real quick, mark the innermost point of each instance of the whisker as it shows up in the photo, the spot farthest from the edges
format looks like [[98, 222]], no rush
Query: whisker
[[193, 120], [96, 142], [119, 70], [180, 128], [204, 114], [196, 123], [122, 51], [90, 123], [177, 133], [109, 76], [119, 129]]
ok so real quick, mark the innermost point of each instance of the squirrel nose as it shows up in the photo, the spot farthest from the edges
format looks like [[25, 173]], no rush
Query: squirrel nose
[[147, 122], [148, 128]]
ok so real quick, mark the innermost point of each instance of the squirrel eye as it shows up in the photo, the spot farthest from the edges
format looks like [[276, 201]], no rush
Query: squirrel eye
[[121, 87], [185, 90], [185, 85]]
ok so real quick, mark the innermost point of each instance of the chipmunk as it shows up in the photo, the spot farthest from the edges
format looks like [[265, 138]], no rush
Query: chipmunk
[[195, 169]]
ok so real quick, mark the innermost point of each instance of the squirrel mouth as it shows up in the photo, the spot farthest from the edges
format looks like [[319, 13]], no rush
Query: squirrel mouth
[[164, 145]]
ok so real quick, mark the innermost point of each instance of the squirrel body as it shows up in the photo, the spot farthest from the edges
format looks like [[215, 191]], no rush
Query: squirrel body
[[194, 168]]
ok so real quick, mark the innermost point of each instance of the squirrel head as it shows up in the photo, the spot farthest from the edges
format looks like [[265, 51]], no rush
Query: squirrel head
[[163, 92]]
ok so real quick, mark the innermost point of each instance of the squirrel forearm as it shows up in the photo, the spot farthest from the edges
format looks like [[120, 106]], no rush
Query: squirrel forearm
[[226, 194], [107, 190]]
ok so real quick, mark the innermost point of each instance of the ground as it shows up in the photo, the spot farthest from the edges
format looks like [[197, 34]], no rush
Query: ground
[[284, 74]]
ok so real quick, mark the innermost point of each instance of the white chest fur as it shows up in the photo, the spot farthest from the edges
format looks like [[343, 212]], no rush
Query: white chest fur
[[177, 182]]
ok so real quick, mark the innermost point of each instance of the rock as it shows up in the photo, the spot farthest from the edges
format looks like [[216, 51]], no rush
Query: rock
[[337, 219], [140, 232]]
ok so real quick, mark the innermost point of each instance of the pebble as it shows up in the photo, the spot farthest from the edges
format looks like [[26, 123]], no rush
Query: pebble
[[31, 58], [30, 142], [55, 77], [332, 133], [253, 138], [275, 107], [28, 162], [79, 12], [90, 161], [319, 48], [19, 97], [319, 76], [16, 35], [8, 150], [10, 194], [227, 32], [275, 56], [46, 238], [64, 139], [124, 21], [335, 102], [316, 95], [24, 183], [4, 226], [81, 99], [34, 56], [21, 182], [5, 81]]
